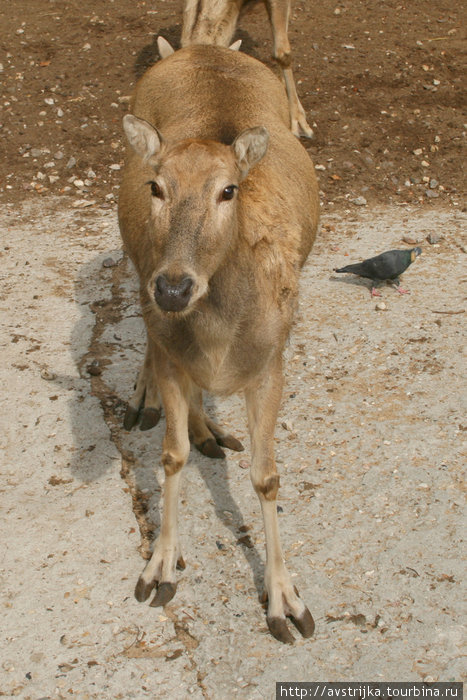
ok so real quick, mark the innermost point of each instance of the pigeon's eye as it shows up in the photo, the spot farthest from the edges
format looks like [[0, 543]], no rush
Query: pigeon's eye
[[228, 192], [156, 190]]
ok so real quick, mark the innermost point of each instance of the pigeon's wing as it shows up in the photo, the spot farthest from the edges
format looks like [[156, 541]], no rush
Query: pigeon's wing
[[388, 265]]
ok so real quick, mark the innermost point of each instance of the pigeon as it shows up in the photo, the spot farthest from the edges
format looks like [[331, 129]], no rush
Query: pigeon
[[386, 266]]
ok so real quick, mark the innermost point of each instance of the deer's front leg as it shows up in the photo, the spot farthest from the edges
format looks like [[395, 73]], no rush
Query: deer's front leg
[[160, 571], [263, 401]]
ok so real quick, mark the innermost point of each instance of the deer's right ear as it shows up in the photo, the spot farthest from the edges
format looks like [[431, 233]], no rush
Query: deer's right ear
[[144, 138]]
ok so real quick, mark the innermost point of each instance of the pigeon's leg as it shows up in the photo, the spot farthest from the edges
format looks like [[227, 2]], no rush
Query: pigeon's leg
[[396, 284], [375, 292]]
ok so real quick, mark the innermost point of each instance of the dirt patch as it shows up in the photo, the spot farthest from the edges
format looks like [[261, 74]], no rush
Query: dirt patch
[[382, 82]]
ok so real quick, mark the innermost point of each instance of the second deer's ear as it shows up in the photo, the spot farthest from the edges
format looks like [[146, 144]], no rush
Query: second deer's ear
[[165, 49], [249, 147]]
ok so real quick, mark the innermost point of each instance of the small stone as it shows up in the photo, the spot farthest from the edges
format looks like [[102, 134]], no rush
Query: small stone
[[431, 194], [418, 152], [60, 112], [287, 425], [58, 155], [244, 464], [78, 183], [115, 166], [359, 201], [86, 47], [433, 183], [410, 239], [93, 369], [36, 152], [81, 203], [108, 262], [49, 101], [91, 174], [71, 163], [433, 238], [320, 167], [53, 179], [380, 306], [50, 164], [47, 374], [425, 164]]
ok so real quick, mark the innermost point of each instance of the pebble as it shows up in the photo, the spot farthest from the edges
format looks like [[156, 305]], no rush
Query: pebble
[[108, 262], [433, 238], [53, 179], [411, 239], [380, 306], [58, 155], [93, 369], [320, 167], [48, 375], [60, 112], [115, 166], [71, 163], [36, 152], [359, 201], [433, 183], [418, 152], [81, 203], [431, 194], [425, 164], [78, 183]]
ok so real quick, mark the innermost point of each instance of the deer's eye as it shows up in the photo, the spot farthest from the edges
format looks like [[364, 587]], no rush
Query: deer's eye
[[228, 192], [156, 190]]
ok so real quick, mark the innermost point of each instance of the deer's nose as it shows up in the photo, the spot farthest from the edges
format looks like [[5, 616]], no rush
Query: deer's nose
[[172, 296]]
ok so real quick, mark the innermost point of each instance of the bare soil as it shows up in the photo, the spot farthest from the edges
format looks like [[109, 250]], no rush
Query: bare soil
[[381, 81]]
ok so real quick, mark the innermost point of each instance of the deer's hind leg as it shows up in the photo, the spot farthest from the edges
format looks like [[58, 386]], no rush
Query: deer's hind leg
[[144, 407], [206, 435], [278, 11]]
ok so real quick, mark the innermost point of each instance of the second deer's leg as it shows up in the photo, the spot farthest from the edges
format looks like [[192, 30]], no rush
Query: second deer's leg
[[175, 389], [263, 401], [278, 11]]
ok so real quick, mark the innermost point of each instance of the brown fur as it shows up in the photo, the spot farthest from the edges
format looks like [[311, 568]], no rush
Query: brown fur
[[244, 257], [214, 22]]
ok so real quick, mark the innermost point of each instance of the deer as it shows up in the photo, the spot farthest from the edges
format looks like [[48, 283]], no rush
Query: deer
[[214, 22], [218, 210]]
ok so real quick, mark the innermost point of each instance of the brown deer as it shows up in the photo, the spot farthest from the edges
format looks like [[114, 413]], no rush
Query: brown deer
[[214, 22], [218, 211]]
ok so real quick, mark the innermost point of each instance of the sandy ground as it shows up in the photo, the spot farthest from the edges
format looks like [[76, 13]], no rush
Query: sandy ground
[[369, 445]]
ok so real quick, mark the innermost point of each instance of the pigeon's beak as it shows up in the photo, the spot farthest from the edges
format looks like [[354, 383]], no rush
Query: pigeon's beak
[[415, 253]]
